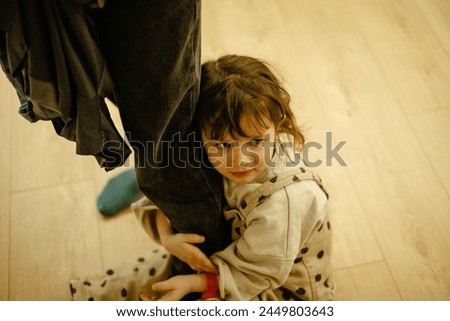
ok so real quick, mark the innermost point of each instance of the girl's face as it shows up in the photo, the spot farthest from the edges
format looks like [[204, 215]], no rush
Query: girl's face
[[241, 159]]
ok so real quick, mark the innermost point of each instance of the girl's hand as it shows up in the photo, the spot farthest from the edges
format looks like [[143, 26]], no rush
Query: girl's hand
[[182, 246], [145, 297], [178, 286]]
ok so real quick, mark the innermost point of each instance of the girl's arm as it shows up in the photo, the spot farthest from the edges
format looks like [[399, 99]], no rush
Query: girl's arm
[[182, 245], [158, 228], [264, 255], [178, 286]]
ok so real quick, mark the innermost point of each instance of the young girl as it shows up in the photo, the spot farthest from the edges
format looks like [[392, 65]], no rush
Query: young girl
[[278, 209]]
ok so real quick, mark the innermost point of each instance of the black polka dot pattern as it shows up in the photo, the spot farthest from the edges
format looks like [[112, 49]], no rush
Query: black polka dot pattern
[[320, 254], [286, 295], [106, 287], [301, 291], [262, 198]]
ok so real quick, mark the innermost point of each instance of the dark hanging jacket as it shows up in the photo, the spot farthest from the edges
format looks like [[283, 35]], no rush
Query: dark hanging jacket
[[50, 53]]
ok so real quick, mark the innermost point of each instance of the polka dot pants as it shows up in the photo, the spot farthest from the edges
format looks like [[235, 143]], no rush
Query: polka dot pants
[[126, 282]]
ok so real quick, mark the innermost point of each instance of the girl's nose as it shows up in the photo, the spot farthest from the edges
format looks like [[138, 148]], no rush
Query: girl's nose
[[243, 158]]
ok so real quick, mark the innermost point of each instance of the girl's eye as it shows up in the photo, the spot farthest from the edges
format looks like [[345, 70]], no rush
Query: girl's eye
[[222, 145], [256, 142]]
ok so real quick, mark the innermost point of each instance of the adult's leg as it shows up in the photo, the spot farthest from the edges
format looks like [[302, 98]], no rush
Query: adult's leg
[[152, 50]]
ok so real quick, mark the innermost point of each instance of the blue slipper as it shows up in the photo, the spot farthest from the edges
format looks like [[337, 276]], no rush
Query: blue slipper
[[119, 192]]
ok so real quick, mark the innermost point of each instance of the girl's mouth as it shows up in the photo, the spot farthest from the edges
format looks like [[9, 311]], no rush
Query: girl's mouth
[[240, 174]]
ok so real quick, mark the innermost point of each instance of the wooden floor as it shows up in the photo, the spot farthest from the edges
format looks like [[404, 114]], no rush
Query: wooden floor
[[374, 74]]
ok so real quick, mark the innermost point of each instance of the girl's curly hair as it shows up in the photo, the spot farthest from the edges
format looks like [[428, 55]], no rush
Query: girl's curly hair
[[235, 86]]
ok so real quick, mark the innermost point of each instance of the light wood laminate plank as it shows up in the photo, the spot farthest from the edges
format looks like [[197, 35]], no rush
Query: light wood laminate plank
[[385, 159], [368, 282], [7, 95], [54, 238], [433, 132], [437, 12], [413, 59]]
